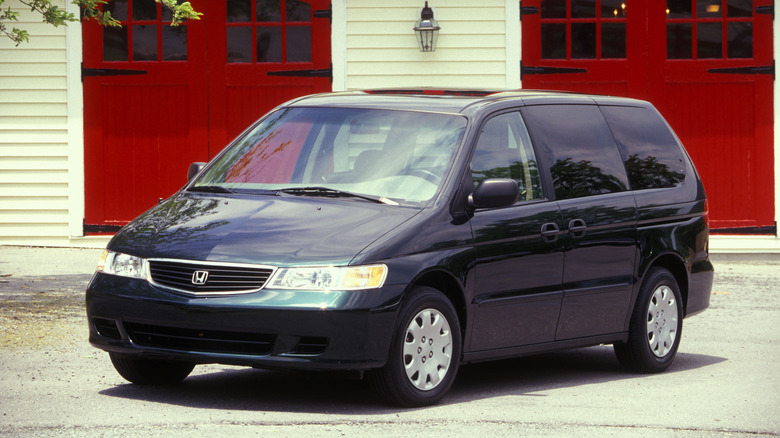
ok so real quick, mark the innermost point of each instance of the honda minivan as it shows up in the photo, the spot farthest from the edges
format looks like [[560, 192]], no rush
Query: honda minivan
[[401, 233]]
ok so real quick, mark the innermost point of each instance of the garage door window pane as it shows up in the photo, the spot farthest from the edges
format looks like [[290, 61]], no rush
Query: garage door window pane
[[269, 44], [174, 43], [117, 9], [239, 44], [298, 44], [679, 9], [740, 40], [553, 41], [708, 9], [613, 8], [144, 10], [739, 8], [678, 41], [239, 10], [297, 11], [115, 44], [613, 40], [144, 43], [583, 9], [269, 10], [553, 8], [583, 40], [709, 40]]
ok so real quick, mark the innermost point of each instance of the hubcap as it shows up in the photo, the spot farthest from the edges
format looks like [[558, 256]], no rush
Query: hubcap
[[427, 349], [662, 321]]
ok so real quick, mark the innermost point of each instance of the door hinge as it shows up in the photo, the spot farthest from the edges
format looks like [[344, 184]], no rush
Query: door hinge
[[756, 70], [311, 73], [325, 13], [767, 9], [88, 72], [527, 10], [540, 70], [94, 229]]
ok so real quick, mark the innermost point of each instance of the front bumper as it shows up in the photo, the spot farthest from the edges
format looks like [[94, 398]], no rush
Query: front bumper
[[270, 329]]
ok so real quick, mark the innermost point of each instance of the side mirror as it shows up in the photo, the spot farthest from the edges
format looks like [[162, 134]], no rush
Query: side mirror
[[494, 193], [194, 169]]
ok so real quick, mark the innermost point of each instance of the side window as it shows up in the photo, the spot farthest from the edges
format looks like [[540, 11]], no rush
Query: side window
[[652, 156], [583, 157], [504, 151]]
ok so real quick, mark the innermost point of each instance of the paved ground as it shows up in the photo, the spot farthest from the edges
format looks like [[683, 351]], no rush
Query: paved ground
[[724, 382]]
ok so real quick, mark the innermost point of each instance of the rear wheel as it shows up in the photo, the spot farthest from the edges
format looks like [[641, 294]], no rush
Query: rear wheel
[[143, 371], [424, 352], [656, 325]]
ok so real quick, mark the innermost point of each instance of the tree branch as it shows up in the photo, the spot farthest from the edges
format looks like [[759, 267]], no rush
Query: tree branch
[[91, 9]]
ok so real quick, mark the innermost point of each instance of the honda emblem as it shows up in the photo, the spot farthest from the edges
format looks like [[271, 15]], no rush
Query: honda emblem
[[200, 277]]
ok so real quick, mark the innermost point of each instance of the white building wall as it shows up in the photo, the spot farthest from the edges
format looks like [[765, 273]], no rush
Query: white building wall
[[41, 141], [381, 51], [33, 134]]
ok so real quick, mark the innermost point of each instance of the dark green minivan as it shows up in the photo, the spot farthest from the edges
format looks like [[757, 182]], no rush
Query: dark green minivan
[[402, 233]]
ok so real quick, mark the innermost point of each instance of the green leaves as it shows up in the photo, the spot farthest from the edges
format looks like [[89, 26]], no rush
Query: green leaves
[[181, 12], [16, 35], [91, 10], [51, 14]]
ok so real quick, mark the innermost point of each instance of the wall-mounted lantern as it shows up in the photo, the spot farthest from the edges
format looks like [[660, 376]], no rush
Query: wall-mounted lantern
[[427, 30]]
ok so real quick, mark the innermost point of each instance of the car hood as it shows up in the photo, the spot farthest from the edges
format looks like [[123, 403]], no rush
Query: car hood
[[274, 230]]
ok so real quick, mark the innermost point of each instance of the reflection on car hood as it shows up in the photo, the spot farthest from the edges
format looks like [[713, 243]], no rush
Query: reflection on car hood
[[260, 229]]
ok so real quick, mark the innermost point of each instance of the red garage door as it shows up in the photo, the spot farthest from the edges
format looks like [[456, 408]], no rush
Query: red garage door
[[706, 64], [158, 97]]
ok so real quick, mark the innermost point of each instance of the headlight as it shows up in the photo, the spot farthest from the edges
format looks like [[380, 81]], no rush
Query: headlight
[[330, 277], [124, 265]]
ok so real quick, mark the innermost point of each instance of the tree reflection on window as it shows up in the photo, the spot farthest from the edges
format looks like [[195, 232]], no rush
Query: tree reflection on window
[[576, 179], [648, 173]]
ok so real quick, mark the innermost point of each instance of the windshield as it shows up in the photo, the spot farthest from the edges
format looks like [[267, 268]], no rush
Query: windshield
[[398, 155]]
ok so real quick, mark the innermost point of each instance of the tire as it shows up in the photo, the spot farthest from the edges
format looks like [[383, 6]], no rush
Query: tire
[[424, 352], [142, 371], [656, 325]]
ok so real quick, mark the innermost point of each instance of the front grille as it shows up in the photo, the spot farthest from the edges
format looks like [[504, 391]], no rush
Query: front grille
[[210, 341], [209, 277]]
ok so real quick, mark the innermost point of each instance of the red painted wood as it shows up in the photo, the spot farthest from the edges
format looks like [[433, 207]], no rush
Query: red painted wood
[[724, 120], [240, 93], [604, 76], [142, 131]]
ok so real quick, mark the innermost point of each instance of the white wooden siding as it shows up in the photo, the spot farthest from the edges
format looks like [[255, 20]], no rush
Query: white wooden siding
[[381, 48], [34, 134]]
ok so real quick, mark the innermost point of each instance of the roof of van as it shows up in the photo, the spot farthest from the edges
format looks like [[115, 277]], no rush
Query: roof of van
[[440, 100]]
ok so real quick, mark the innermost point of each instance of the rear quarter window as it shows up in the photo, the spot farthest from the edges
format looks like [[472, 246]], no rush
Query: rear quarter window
[[650, 152], [579, 148]]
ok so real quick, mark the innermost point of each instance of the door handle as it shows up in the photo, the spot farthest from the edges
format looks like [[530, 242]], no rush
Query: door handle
[[550, 232], [577, 228]]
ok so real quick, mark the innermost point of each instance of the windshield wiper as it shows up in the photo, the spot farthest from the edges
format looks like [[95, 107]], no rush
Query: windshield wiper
[[210, 189], [333, 193]]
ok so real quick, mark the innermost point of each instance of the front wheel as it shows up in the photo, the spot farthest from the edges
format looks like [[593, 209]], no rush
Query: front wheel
[[424, 352], [142, 371], [656, 325]]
